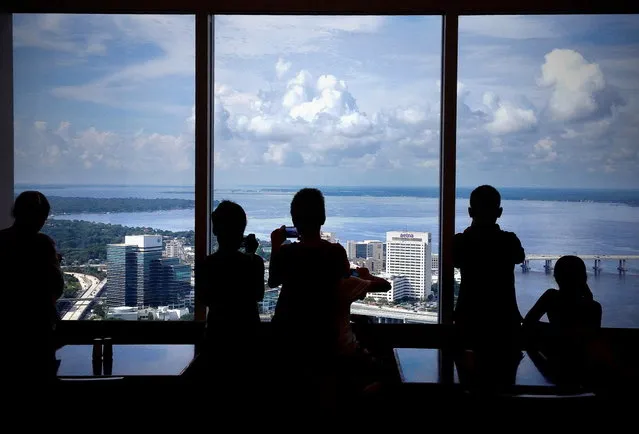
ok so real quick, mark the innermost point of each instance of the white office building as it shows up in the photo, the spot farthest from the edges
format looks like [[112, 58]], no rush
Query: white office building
[[400, 288], [365, 249], [409, 254], [174, 249], [329, 236]]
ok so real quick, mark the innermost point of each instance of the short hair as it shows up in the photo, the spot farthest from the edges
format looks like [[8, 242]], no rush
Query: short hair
[[228, 218], [570, 270], [31, 205], [307, 208], [485, 197]]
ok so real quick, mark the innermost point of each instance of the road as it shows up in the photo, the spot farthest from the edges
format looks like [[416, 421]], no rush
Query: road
[[392, 312], [91, 287]]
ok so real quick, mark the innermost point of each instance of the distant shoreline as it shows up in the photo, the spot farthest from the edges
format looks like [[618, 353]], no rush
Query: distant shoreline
[[613, 196]]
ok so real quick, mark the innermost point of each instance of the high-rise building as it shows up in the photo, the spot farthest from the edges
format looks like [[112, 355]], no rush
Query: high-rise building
[[121, 275], [329, 236], [409, 254], [172, 283], [174, 249], [138, 276], [400, 288], [365, 249]]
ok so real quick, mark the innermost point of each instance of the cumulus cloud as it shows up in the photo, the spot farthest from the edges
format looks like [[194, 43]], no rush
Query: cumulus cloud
[[316, 121], [544, 150], [579, 89], [45, 152], [510, 119], [282, 67]]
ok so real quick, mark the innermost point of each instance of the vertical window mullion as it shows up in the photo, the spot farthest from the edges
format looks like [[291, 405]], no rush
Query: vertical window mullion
[[447, 174], [203, 144]]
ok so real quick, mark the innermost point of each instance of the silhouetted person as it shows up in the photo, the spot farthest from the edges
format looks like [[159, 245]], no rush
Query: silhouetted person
[[232, 286], [574, 318], [571, 307], [486, 315], [486, 256], [309, 272], [30, 270], [311, 320]]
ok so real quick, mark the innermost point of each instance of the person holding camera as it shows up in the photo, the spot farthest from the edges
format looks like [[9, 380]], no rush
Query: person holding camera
[[232, 286], [312, 317]]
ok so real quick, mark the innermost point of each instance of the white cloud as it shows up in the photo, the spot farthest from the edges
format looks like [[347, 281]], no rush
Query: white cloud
[[55, 32], [259, 35], [575, 84], [282, 67], [510, 119], [172, 35], [544, 150], [96, 156], [283, 155], [510, 27]]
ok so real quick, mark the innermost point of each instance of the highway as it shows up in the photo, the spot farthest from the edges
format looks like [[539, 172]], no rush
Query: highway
[[91, 287], [392, 312]]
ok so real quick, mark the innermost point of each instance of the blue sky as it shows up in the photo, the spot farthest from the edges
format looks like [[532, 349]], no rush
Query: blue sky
[[543, 101]]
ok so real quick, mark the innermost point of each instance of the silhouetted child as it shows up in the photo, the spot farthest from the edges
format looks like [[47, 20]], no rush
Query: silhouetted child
[[311, 319], [574, 317], [233, 284], [30, 268], [572, 306], [486, 256]]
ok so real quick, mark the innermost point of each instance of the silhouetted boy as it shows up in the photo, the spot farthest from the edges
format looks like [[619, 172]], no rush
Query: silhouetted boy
[[309, 272], [574, 318], [486, 256], [311, 318], [233, 284], [30, 269]]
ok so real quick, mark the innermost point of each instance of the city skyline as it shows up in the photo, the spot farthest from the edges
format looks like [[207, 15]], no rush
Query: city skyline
[[543, 101]]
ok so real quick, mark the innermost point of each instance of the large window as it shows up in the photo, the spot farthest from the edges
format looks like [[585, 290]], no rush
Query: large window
[[349, 105], [547, 113], [104, 128]]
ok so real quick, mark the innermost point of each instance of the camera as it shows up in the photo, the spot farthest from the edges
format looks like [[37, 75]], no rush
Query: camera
[[291, 232]]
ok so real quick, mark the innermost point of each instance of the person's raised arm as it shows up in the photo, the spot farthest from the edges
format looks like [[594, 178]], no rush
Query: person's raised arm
[[540, 308], [258, 278], [275, 270], [518, 254]]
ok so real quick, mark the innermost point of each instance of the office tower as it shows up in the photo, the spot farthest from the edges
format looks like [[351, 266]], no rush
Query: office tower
[[174, 249], [138, 276], [409, 254], [172, 283], [365, 249], [400, 288], [121, 275]]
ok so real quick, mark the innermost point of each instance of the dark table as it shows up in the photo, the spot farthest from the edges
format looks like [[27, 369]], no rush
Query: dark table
[[128, 360], [430, 366]]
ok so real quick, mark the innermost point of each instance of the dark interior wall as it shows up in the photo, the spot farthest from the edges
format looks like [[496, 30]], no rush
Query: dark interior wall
[[6, 119]]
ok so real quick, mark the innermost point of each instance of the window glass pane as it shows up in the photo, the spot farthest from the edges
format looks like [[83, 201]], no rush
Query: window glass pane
[[547, 113], [349, 105], [104, 128]]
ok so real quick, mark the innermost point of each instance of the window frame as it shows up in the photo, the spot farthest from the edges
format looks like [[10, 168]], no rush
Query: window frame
[[450, 11]]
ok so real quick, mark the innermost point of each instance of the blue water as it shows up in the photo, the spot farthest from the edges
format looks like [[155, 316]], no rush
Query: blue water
[[547, 221]]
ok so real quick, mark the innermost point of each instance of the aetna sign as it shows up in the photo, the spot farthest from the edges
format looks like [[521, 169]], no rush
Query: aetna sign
[[406, 236]]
